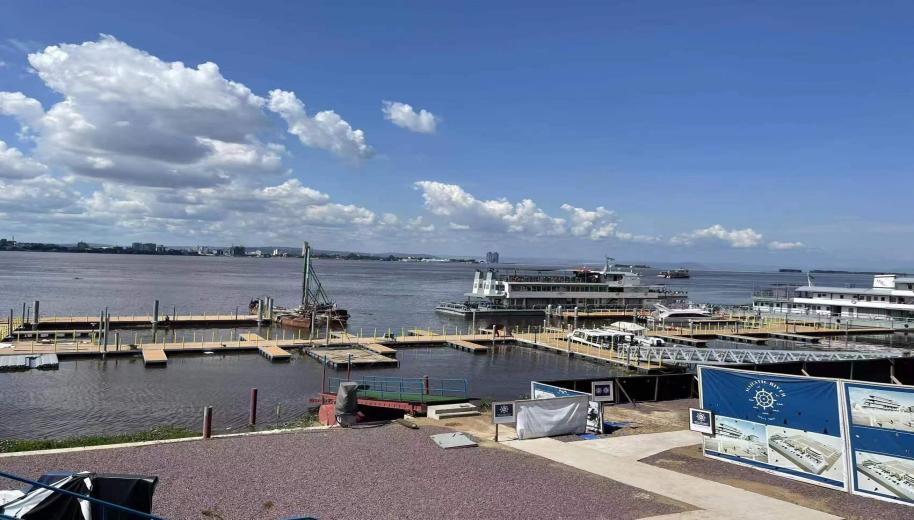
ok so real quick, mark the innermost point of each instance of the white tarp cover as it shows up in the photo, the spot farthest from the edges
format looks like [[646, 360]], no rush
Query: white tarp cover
[[548, 417]]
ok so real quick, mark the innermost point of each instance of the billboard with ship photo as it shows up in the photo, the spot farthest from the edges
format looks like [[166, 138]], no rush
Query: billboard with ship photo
[[889, 477], [881, 408], [808, 452], [881, 440], [792, 426], [737, 438]]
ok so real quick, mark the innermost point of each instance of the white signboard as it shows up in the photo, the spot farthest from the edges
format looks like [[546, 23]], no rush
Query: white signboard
[[503, 412], [701, 421], [603, 391]]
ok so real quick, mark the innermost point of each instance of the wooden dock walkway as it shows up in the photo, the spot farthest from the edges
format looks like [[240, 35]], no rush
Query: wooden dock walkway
[[557, 343], [250, 336], [165, 320], [154, 356], [274, 353], [422, 332]]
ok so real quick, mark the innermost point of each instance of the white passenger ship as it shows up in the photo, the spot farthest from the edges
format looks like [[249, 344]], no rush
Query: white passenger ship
[[890, 301], [531, 291]]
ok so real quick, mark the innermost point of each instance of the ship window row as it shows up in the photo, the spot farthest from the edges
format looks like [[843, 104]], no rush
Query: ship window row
[[565, 288], [862, 298]]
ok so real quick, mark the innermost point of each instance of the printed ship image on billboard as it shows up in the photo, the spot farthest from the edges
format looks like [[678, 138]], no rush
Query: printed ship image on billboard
[[806, 451], [882, 408], [888, 476], [738, 438]]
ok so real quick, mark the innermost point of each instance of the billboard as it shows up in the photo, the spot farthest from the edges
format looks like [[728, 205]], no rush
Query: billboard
[[788, 425], [881, 440]]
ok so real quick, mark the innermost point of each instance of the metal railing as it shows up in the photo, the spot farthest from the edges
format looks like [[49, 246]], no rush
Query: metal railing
[[397, 388], [720, 356]]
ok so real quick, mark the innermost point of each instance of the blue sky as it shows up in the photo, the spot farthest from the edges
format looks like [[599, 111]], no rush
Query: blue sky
[[715, 132]]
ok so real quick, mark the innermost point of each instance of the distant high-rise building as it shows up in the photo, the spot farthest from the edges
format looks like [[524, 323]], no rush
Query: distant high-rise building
[[492, 257], [143, 247]]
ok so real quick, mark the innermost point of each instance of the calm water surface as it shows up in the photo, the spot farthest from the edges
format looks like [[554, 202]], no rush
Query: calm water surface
[[120, 395]]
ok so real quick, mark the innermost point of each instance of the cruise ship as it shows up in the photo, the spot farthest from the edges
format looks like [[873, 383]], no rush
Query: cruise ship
[[890, 301], [531, 291]]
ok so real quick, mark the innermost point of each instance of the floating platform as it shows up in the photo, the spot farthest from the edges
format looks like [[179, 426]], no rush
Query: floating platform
[[358, 357], [250, 336], [154, 357], [753, 340], [794, 337], [467, 346], [377, 348], [274, 353], [28, 362]]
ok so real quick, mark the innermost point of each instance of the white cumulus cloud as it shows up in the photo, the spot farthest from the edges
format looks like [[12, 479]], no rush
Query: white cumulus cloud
[[784, 246], [738, 238], [465, 212], [405, 116], [325, 130], [14, 165]]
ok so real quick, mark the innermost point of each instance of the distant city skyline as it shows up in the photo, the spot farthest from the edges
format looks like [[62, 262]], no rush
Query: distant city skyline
[[709, 133]]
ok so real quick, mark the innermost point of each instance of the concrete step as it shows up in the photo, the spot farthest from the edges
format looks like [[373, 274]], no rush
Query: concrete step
[[439, 411], [441, 416]]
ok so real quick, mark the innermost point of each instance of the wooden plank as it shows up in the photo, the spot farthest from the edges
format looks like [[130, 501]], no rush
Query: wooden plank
[[274, 353], [380, 349], [359, 357], [154, 356], [250, 336]]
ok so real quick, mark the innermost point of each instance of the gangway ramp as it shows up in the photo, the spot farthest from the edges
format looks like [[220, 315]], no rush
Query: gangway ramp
[[754, 340], [735, 356]]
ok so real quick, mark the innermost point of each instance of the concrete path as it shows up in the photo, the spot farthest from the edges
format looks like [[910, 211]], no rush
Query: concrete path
[[617, 459]]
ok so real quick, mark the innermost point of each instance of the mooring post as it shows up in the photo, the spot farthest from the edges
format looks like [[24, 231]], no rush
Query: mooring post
[[22, 316], [107, 329], [324, 375], [207, 422], [349, 369], [252, 418], [271, 309], [327, 319], [259, 311], [425, 384], [575, 317], [35, 317]]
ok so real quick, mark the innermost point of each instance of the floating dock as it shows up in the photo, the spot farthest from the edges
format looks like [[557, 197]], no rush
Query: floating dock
[[467, 346], [28, 362], [377, 348], [342, 357], [154, 357], [274, 353], [794, 337], [738, 338]]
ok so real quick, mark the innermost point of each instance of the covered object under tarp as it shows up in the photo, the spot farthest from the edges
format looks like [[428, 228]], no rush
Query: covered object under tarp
[[130, 491]]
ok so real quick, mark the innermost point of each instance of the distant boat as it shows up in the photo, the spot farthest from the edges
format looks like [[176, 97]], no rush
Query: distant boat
[[790, 270], [674, 273]]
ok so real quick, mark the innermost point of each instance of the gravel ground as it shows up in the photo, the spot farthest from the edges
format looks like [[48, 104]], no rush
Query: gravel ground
[[384, 472], [689, 460]]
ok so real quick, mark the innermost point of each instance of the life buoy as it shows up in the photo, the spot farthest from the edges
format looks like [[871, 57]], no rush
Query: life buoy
[[854, 302]]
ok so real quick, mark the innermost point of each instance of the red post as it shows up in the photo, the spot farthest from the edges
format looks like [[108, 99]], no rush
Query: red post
[[207, 422], [253, 415], [425, 384]]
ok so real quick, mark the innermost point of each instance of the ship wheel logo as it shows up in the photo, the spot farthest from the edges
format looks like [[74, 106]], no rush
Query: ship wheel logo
[[504, 410], [764, 399]]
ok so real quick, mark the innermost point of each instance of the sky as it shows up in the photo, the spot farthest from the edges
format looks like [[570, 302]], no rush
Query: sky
[[775, 133]]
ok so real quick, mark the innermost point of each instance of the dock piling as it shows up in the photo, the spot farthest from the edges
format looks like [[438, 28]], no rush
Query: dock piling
[[252, 418], [207, 422], [35, 317]]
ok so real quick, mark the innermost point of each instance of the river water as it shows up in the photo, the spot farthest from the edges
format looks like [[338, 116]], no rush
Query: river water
[[120, 395]]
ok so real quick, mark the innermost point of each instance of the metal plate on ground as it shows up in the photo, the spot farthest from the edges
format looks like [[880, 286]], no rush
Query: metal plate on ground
[[453, 440]]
